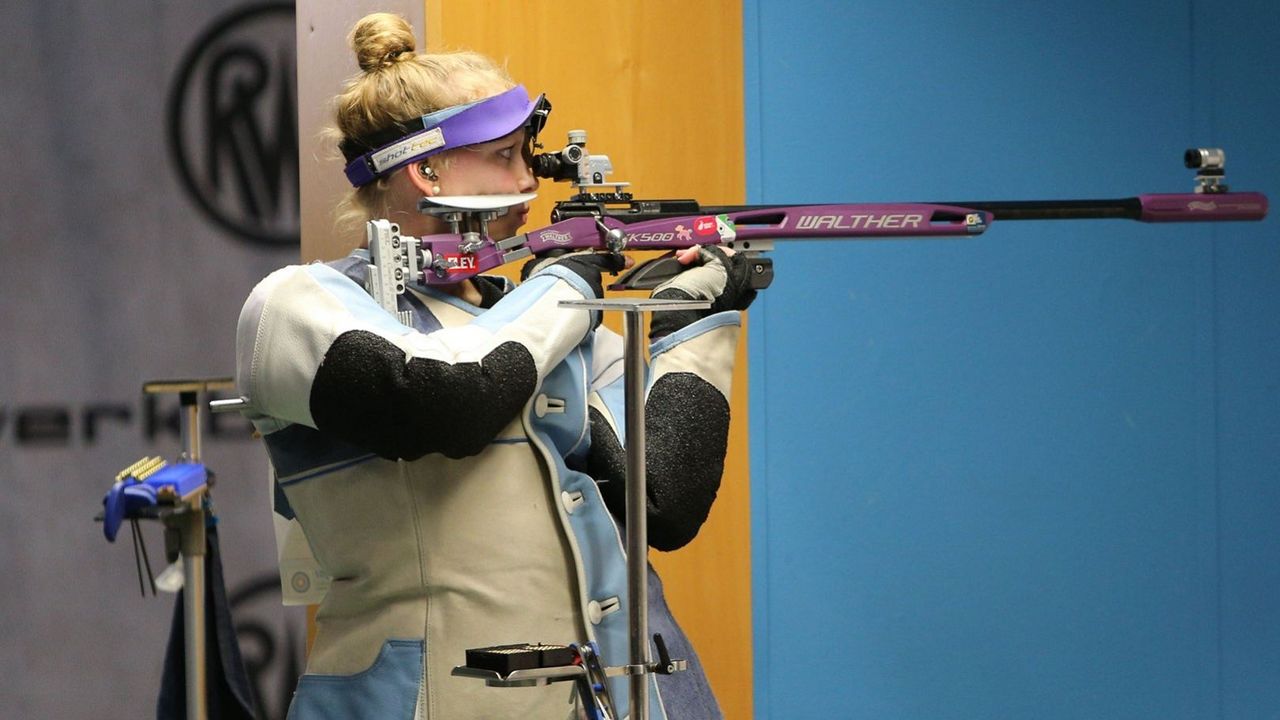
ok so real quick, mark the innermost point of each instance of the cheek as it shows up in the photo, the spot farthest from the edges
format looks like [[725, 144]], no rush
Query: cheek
[[505, 226], [474, 177]]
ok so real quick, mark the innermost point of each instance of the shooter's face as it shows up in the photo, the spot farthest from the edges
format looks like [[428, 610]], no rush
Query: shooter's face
[[497, 167]]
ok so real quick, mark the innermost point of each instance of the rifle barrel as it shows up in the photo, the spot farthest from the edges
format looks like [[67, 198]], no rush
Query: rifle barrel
[[1122, 209]]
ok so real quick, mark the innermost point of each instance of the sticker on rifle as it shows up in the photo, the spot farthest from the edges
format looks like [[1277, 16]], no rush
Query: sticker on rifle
[[650, 238], [459, 263], [556, 237], [724, 226], [705, 225], [683, 233]]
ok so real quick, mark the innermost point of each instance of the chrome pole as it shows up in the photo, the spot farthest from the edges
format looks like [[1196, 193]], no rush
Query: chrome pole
[[637, 515], [637, 541], [192, 529]]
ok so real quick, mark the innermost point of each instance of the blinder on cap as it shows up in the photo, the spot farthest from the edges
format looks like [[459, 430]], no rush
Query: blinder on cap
[[476, 122]]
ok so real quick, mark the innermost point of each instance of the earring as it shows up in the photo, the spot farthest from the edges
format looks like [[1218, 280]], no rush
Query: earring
[[435, 189]]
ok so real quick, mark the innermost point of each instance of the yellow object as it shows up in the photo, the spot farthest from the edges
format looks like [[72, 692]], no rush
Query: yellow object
[[142, 469]]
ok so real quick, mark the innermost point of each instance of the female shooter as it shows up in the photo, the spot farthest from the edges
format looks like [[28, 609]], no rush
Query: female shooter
[[461, 480]]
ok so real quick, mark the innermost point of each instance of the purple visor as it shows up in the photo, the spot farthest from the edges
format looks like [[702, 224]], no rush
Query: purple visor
[[452, 127]]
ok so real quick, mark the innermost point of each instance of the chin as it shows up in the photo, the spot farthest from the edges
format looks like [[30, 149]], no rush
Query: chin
[[502, 231]]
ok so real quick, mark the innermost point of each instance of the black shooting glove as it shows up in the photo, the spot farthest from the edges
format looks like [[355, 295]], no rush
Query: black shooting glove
[[723, 279], [587, 265]]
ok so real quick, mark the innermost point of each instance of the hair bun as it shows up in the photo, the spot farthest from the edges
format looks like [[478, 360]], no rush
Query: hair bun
[[380, 40]]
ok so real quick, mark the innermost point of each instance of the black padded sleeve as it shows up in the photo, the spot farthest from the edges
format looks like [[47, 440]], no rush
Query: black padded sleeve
[[366, 394], [491, 290], [668, 321], [686, 434]]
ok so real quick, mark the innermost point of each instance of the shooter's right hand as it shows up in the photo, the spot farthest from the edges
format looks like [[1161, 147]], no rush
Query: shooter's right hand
[[586, 264]]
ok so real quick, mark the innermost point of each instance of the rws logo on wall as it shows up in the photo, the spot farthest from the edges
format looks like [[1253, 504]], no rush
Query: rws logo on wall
[[272, 642], [233, 127]]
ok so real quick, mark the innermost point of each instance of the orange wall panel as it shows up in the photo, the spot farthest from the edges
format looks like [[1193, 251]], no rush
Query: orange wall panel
[[658, 87]]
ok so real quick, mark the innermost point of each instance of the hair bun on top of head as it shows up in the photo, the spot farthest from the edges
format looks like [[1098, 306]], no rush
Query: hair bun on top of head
[[381, 40]]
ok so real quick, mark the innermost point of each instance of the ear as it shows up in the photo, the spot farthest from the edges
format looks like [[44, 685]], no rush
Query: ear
[[424, 186]]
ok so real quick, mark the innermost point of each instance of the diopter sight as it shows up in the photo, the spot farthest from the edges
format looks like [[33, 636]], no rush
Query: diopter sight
[[1210, 165], [575, 164]]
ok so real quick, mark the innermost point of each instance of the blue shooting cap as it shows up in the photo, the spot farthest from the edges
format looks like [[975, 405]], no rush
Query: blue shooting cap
[[384, 152]]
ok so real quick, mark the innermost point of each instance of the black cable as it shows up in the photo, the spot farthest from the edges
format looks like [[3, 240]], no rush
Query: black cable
[[137, 559]]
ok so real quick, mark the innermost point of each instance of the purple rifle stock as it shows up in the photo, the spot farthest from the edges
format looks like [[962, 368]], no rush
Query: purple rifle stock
[[739, 225]]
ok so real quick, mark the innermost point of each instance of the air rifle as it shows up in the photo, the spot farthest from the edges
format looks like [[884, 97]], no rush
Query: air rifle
[[615, 221]]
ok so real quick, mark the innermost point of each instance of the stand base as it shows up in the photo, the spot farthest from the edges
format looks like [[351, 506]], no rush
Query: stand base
[[522, 678]]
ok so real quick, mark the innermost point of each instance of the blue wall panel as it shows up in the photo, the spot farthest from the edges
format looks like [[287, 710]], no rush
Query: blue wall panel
[[1238, 99], [1030, 474]]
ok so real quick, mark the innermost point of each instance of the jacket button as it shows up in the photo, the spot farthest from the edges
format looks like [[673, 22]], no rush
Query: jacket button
[[597, 610], [571, 500], [544, 405]]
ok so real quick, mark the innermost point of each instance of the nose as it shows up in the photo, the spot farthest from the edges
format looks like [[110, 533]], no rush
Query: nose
[[526, 181]]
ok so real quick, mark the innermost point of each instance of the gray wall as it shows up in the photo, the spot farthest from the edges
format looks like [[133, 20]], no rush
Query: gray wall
[[114, 273]]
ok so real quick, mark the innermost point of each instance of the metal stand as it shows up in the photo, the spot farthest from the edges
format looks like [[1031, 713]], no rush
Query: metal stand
[[187, 523], [640, 663]]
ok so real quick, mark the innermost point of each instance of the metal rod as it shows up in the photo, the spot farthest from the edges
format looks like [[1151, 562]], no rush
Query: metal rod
[[190, 425], [193, 556], [137, 557], [637, 512], [1115, 209], [637, 540], [192, 529], [229, 405]]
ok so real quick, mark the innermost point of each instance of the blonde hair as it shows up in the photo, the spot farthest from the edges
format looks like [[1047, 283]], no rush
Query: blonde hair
[[397, 84]]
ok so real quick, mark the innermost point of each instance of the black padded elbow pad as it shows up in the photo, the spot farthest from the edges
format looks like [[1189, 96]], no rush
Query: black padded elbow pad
[[366, 394], [687, 432]]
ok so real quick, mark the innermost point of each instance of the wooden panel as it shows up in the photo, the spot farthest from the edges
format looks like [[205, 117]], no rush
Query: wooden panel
[[658, 85], [668, 111]]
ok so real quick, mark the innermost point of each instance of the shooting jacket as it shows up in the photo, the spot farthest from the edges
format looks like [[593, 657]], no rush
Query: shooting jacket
[[440, 475]]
